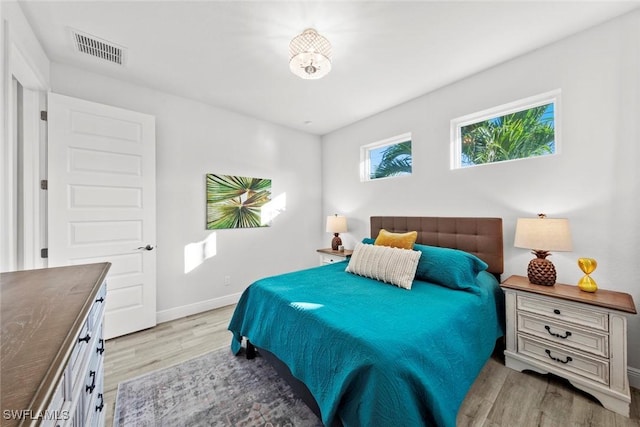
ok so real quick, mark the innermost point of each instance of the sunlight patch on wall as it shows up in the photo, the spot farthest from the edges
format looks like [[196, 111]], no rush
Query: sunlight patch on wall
[[196, 253], [273, 208]]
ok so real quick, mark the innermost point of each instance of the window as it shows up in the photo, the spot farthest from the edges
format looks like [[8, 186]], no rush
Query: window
[[519, 130], [385, 159]]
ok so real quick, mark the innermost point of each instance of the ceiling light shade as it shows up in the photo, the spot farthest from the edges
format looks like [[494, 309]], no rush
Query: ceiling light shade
[[310, 55]]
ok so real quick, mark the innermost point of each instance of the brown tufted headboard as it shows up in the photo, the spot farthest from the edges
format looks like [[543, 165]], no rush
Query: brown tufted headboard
[[479, 236]]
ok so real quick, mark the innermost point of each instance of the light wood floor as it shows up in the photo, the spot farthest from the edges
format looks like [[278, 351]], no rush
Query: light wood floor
[[499, 397]]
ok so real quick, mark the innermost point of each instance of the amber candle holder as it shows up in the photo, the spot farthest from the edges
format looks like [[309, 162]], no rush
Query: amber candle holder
[[588, 266]]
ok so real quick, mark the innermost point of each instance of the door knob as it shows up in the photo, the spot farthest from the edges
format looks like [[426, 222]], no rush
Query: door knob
[[146, 248]]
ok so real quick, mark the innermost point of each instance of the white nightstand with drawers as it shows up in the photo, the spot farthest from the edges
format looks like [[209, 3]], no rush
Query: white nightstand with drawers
[[329, 256], [576, 335]]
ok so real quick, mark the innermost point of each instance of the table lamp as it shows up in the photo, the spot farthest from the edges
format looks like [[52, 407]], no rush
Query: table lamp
[[336, 224], [542, 235]]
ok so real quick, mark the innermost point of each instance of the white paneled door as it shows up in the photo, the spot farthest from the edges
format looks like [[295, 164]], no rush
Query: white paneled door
[[101, 202]]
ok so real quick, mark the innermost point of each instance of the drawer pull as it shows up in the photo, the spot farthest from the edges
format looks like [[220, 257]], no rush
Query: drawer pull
[[86, 338], [556, 311], [101, 405], [100, 349], [90, 388], [565, 336], [567, 360]]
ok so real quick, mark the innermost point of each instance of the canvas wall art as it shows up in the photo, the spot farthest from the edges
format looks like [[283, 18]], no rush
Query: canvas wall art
[[236, 201]]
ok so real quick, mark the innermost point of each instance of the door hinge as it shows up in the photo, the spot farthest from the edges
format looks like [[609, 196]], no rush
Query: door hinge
[[43, 115], [44, 184], [44, 253]]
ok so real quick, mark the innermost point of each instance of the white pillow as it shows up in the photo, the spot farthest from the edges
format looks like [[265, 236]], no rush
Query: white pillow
[[384, 263]]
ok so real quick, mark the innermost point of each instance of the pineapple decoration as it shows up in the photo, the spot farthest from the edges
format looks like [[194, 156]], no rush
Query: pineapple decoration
[[552, 234], [541, 271]]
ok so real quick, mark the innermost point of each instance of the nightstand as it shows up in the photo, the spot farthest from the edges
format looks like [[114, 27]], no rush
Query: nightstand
[[576, 335], [329, 256]]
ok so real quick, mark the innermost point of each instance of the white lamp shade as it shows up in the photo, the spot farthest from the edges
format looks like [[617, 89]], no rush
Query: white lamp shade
[[544, 234], [336, 224]]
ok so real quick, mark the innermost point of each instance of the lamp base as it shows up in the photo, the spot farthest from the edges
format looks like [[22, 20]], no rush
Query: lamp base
[[541, 272], [336, 241]]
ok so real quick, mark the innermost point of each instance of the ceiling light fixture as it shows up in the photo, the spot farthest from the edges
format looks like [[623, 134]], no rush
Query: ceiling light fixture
[[310, 55]]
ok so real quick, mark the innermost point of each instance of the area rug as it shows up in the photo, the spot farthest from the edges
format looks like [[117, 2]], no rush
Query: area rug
[[215, 389]]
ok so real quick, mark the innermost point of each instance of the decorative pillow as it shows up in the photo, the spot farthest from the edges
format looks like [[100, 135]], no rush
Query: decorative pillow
[[396, 240], [452, 268], [368, 241], [389, 265]]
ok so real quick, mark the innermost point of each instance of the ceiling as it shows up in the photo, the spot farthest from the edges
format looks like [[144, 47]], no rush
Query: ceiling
[[234, 54]]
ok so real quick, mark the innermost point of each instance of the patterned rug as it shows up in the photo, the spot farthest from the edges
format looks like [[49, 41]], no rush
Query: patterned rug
[[215, 389]]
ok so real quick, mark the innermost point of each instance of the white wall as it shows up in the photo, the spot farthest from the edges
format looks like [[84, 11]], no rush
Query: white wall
[[194, 139], [593, 182]]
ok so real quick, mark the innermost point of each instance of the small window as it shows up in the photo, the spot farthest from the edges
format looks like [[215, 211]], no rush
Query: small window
[[385, 159], [519, 130]]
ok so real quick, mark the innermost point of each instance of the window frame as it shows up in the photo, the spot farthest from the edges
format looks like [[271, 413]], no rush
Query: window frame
[[365, 158], [551, 97]]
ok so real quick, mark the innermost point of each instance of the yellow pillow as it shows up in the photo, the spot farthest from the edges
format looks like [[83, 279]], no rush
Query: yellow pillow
[[396, 240]]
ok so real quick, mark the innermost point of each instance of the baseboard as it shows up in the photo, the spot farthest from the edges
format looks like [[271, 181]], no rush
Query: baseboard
[[634, 377], [198, 307]]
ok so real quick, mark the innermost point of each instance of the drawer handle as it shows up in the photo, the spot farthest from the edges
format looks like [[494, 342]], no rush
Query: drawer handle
[[567, 360], [556, 311], [101, 405], [565, 336], [89, 388], [86, 338], [100, 349]]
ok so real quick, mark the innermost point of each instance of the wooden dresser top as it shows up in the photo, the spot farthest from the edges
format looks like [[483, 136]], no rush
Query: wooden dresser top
[[602, 298], [42, 312]]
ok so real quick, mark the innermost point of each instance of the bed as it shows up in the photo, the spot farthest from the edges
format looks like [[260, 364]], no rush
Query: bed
[[366, 353]]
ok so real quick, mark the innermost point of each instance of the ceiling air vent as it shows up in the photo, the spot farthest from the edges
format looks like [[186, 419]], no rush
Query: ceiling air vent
[[99, 48]]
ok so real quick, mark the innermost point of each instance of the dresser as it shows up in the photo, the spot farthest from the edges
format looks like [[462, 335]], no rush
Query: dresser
[[52, 347], [576, 335]]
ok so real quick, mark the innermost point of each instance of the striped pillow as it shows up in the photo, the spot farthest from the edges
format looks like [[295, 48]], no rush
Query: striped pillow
[[386, 264]]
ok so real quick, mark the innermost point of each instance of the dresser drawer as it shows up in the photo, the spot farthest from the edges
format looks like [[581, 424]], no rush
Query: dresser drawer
[[95, 404], [330, 259], [97, 309], [93, 388], [80, 351], [56, 414], [577, 314], [565, 359], [565, 334]]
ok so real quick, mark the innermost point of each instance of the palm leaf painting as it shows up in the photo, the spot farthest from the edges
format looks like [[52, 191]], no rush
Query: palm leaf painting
[[236, 201]]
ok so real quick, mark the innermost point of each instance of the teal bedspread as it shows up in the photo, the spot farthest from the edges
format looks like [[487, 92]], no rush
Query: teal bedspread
[[373, 354]]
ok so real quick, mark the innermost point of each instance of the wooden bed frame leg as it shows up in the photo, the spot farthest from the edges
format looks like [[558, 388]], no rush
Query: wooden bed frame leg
[[251, 351]]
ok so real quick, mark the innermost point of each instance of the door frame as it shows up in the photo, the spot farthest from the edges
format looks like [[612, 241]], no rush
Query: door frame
[[22, 213]]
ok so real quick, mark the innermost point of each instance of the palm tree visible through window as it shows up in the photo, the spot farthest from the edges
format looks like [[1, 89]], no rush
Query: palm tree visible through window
[[519, 135], [392, 160]]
